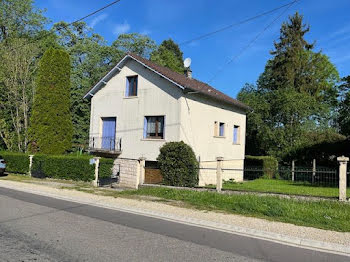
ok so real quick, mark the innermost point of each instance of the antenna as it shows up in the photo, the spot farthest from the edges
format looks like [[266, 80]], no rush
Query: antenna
[[187, 62]]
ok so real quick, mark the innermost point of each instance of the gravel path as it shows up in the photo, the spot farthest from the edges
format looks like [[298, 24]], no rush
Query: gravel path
[[230, 219]]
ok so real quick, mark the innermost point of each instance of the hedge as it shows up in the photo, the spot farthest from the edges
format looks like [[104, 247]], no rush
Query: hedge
[[60, 166], [178, 164], [269, 164], [16, 162]]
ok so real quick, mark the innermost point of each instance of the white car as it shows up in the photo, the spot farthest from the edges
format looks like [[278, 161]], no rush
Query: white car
[[2, 165]]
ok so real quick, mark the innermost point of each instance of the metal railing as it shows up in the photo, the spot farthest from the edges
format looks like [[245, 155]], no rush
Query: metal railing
[[99, 143]]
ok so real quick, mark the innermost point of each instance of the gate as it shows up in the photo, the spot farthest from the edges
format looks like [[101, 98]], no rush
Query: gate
[[152, 173]]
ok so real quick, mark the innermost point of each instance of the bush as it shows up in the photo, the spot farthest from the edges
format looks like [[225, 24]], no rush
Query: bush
[[178, 164], [16, 162], [269, 164], [105, 168]]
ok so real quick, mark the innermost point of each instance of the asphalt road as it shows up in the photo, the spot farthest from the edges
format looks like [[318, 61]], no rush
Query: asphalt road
[[38, 228]]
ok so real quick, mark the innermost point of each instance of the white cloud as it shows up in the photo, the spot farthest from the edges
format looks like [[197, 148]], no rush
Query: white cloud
[[121, 28], [98, 19], [145, 32]]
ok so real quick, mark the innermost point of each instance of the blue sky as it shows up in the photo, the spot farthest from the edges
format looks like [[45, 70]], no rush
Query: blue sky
[[183, 20]]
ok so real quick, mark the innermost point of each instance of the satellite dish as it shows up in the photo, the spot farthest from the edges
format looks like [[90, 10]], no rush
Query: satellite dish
[[187, 62]]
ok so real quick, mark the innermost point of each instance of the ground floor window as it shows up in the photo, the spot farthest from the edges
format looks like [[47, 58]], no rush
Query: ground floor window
[[154, 127]]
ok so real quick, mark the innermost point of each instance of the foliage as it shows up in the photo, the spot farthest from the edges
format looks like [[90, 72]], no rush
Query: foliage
[[16, 162], [51, 122], [105, 168], [344, 108], [135, 43], [295, 94], [63, 167], [169, 55], [91, 58], [19, 18], [178, 164], [269, 164], [320, 214]]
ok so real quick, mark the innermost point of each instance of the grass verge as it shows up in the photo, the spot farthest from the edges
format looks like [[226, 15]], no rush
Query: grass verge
[[284, 187]]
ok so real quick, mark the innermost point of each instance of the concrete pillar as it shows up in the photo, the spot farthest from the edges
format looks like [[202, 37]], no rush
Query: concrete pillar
[[142, 161], [30, 164], [219, 173], [293, 170], [313, 170], [97, 164], [343, 161]]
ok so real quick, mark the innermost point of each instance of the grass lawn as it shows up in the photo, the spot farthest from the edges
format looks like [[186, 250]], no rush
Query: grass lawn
[[322, 214], [284, 187]]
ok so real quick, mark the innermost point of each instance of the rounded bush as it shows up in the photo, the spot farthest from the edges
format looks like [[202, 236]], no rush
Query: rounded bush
[[178, 164]]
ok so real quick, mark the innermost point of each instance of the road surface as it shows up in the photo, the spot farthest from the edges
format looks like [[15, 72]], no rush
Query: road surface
[[39, 228]]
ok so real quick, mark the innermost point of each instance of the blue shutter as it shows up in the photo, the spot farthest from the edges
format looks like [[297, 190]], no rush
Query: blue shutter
[[235, 133], [163, 127], [145, 128], [108, 133], [127, 87]]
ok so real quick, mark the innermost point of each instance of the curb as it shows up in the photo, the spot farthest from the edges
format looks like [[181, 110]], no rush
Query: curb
[[247, 232]]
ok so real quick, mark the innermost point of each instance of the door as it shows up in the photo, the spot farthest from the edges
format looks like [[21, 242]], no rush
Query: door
[[108, 133]]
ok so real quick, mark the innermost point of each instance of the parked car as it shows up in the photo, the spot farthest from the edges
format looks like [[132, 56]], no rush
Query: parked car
[[2, 165]]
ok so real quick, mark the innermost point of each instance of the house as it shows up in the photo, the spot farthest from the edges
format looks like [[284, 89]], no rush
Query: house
[[139, 105]]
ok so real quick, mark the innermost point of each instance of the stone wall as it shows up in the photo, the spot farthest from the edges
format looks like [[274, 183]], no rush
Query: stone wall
[[129, 171]]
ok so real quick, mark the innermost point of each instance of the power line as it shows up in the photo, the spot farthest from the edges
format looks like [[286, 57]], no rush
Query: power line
[[65, 26], [252, 41], [206, 35]]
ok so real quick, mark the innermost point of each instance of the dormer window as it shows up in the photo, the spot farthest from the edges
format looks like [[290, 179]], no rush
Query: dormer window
[[131, 86]]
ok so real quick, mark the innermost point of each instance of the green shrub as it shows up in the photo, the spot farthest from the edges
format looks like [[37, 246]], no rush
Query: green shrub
[[105, 168], [64, 167], [178, 164], [16, 162], [269, 164]]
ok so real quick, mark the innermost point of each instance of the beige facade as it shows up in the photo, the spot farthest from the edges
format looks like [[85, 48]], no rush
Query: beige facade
[[191, 117]]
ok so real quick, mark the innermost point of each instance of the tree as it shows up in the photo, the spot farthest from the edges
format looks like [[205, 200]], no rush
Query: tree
[[19, 18], [91, 59], [344, 107], [169, 55], [19, 61], [51, 122], [136, 43], [296, 93]]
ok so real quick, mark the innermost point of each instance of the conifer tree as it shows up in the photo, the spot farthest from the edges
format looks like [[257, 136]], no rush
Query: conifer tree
[[51, 122]]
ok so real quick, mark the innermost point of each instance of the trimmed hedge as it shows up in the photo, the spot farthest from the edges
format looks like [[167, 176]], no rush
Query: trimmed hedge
[[16, 162], [269, 164], [178, 164], [105, 168]]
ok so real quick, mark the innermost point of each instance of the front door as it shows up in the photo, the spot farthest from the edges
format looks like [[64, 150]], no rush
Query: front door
[[108, 133]]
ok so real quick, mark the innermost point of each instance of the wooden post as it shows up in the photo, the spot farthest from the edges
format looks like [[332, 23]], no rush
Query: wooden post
[[142, 161], [30, 164], [293, 170], [343, 161], [97, 164], [219, 173], [313, 170]]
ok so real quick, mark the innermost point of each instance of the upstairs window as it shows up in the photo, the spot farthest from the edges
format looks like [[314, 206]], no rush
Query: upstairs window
[[131, 86], [154, 127], [236, 134], [221, 129]]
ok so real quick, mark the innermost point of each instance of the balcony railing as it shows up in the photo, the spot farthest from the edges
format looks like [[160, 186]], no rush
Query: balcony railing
[[105, 144]]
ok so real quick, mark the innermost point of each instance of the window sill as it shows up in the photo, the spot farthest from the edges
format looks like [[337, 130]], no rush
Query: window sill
[[130, 97], [219, 136], [153, 139], [236, 144]]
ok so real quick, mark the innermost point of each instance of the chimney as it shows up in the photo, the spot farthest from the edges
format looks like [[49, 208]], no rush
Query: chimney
[[188, 72]]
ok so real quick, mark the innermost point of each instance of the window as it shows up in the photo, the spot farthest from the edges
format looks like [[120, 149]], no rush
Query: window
[[131, 86], [236, 134], [154, 127], [222, 129]]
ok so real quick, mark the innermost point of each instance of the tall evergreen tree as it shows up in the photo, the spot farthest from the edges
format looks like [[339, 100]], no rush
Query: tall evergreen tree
[[169, 55], [344, 108], [51, 122], [296, 93]]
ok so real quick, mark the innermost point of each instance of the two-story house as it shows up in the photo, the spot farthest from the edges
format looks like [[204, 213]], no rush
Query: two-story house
[[139, 105]]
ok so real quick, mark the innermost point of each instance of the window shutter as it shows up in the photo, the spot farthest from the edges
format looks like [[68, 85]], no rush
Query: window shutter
[[145, 128], [127, 87]]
